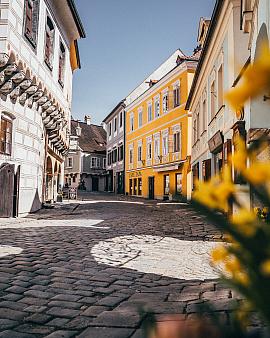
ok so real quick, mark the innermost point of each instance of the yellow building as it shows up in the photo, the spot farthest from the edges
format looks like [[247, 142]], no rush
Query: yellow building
[[158, 129]]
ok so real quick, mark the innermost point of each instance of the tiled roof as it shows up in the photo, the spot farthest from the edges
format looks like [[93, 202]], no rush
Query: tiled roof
[[93, 138]]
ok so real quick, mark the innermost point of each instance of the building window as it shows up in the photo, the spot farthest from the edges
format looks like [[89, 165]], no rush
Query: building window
[[98, 162], [165, 103], [220, 87], [115, 124], [49, 43], [157, 108], [114, 160], [176, 96], [213, 99], [110, 129], [166, 184], [70, 162], [140, 186], [110, 157], [121, 120], [121, 152], [176, 142], [93, 162], [62, 60], [74, 179], [165, 145], [130, 155], [149, 150], [204, 117], [131, 122], [156, 147], [149, 112], [104, 163], [31, 18], [5, 136], [178, 181], [140, 118], [139, 153]]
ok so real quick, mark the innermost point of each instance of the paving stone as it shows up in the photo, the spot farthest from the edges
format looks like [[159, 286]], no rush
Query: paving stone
[[61, 312], [12, 305], [94, 311], [111, 301], [34, 329], [35, 308], [38, 318], [98, 332], [12, 314], [88, 300], [14, 334], [117, 319], [7, 324], [67, 298], [34, 301], [79, 323], [182, 297], [68, 305], [39, 294], [58, 322], [62, 334]]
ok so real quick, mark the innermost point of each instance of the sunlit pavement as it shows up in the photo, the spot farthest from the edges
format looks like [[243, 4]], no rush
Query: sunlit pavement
[[84, 269]]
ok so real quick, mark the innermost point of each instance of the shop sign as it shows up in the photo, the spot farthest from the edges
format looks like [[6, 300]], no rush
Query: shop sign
[[136, 174], [216, 142]]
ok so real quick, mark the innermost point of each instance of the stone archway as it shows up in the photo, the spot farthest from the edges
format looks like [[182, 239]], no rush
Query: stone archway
[[49, 179]]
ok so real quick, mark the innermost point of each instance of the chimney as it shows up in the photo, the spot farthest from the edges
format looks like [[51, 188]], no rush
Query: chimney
[[87, 119]]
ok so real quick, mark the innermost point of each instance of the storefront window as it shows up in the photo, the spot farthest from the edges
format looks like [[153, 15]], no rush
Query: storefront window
[[135, 186], [166, 185], [179, 184], [130, 187], [140, 186]]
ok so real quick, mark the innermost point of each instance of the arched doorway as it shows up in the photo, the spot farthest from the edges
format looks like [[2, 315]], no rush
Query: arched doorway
[[49, 180]]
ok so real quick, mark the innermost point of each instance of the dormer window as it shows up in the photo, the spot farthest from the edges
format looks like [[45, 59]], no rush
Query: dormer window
[[31, 17], [49, 43], [62, 59]]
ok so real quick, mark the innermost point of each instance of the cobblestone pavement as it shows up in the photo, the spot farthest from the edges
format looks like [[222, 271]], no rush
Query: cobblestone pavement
[[85, 269]]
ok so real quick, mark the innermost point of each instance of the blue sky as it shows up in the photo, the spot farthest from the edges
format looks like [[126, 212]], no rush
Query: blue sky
[[126, 40]]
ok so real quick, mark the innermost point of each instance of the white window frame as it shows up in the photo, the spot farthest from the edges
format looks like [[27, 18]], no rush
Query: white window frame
[[139, 158], [140, 117], [165, 102], [157, 106], [120, 118], [165, 145], [177, 85], [130, 151], [149, 143], [156, 146], [104, 163]]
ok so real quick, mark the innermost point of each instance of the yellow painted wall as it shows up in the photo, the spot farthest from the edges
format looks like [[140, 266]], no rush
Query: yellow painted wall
[[173, 117]]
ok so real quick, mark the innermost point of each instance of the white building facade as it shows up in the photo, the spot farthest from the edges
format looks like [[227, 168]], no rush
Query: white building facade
[[38, 54], [214, 123]]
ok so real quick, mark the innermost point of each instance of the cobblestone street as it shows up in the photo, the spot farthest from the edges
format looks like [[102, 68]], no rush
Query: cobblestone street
[[85, 269]]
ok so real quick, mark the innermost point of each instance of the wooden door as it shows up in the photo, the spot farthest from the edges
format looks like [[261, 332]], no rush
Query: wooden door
[[95, 185], [151, 184], [7, 172]]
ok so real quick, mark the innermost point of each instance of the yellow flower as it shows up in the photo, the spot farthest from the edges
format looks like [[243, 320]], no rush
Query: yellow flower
[[239, 158], [232, 265], [258, 173], [214, 193], [219, 254], [265, 267], [245, 222], [242, 278], [254, 81]]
